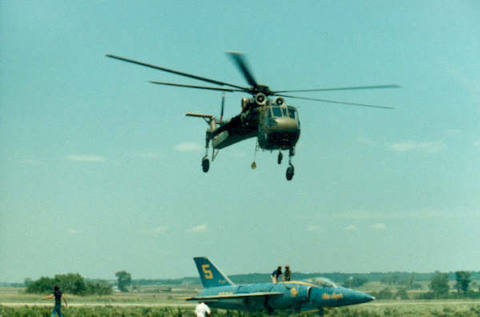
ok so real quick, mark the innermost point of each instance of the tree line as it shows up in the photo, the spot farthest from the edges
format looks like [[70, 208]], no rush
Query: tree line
[[74, 283], [408, 280], [438, 286]]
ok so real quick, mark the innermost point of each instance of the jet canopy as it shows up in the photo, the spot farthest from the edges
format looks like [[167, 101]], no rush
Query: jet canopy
[[322, 282]]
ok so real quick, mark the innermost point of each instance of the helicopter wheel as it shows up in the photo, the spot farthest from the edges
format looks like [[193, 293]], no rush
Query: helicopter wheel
[[290, 172], [205, 164], [280, 157]]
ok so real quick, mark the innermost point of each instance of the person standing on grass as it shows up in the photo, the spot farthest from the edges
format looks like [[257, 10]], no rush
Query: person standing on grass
[[202, 310], [57, 293]]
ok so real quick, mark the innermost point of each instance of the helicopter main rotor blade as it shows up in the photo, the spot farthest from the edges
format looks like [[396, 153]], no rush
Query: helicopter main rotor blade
[[195, 86], [337, 102], [341, 88], [222, 108], [212, 81], [241, 63]]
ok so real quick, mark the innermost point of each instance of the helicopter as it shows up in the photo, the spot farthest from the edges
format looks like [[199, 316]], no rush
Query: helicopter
[[265, 115]]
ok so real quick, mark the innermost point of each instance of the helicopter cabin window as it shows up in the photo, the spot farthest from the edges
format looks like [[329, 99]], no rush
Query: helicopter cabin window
[[292, 112], [276, 112]]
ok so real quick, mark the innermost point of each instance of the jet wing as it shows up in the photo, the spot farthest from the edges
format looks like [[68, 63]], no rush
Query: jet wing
[[234, 296]]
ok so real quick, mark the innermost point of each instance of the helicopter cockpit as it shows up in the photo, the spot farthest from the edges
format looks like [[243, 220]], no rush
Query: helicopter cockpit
[[283, 112], [322, 282], [280, 126]]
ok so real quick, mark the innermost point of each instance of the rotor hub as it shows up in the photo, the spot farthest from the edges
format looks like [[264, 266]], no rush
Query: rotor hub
[[261, 88]]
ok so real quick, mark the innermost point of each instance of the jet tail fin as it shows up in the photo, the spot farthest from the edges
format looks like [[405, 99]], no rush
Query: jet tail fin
[[210, 275]]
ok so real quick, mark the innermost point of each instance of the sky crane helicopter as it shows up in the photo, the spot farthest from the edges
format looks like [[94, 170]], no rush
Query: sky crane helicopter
[[265, 115]]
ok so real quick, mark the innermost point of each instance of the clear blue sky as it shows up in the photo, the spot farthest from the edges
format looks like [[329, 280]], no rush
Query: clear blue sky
[[100, 170]]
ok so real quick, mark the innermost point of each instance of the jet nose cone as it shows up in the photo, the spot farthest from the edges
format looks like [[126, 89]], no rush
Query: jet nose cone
[[363, 297], [353, 297]]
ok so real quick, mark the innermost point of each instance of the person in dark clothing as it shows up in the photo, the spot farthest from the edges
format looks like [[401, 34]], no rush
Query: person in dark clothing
[[276, 274], [57, 293], [287, 274]]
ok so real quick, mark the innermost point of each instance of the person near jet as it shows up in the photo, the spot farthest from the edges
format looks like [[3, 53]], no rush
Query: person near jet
[[276, 274], [57, 293], [202, 310], [287, 275]]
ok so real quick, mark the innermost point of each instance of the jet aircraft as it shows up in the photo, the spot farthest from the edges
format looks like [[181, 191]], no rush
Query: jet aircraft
[[299, 296]]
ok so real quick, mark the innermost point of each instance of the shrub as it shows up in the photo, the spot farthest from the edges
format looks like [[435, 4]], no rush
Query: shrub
[[69, 283]]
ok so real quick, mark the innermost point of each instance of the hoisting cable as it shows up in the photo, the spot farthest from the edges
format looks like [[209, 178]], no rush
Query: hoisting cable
[[254, 164]]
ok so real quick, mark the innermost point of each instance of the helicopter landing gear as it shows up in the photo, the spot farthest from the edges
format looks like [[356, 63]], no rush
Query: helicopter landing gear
[[205, 164], [205, 160], [280, 157], [290, 172]]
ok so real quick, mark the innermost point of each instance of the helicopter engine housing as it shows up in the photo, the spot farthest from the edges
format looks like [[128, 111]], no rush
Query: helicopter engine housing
[[261, 99], [279, 101]]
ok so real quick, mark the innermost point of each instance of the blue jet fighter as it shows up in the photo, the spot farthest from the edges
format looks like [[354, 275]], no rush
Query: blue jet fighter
[[300, 296]]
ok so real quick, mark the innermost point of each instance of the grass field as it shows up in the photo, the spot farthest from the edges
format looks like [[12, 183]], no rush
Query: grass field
[[165, 296], [169, 302]]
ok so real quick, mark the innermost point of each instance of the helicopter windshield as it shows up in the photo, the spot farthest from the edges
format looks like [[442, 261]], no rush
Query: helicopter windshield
[[322, 282], [277, 112], [292, 112]]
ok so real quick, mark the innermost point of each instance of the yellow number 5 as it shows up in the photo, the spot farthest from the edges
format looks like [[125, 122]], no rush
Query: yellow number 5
[[207, 271]]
